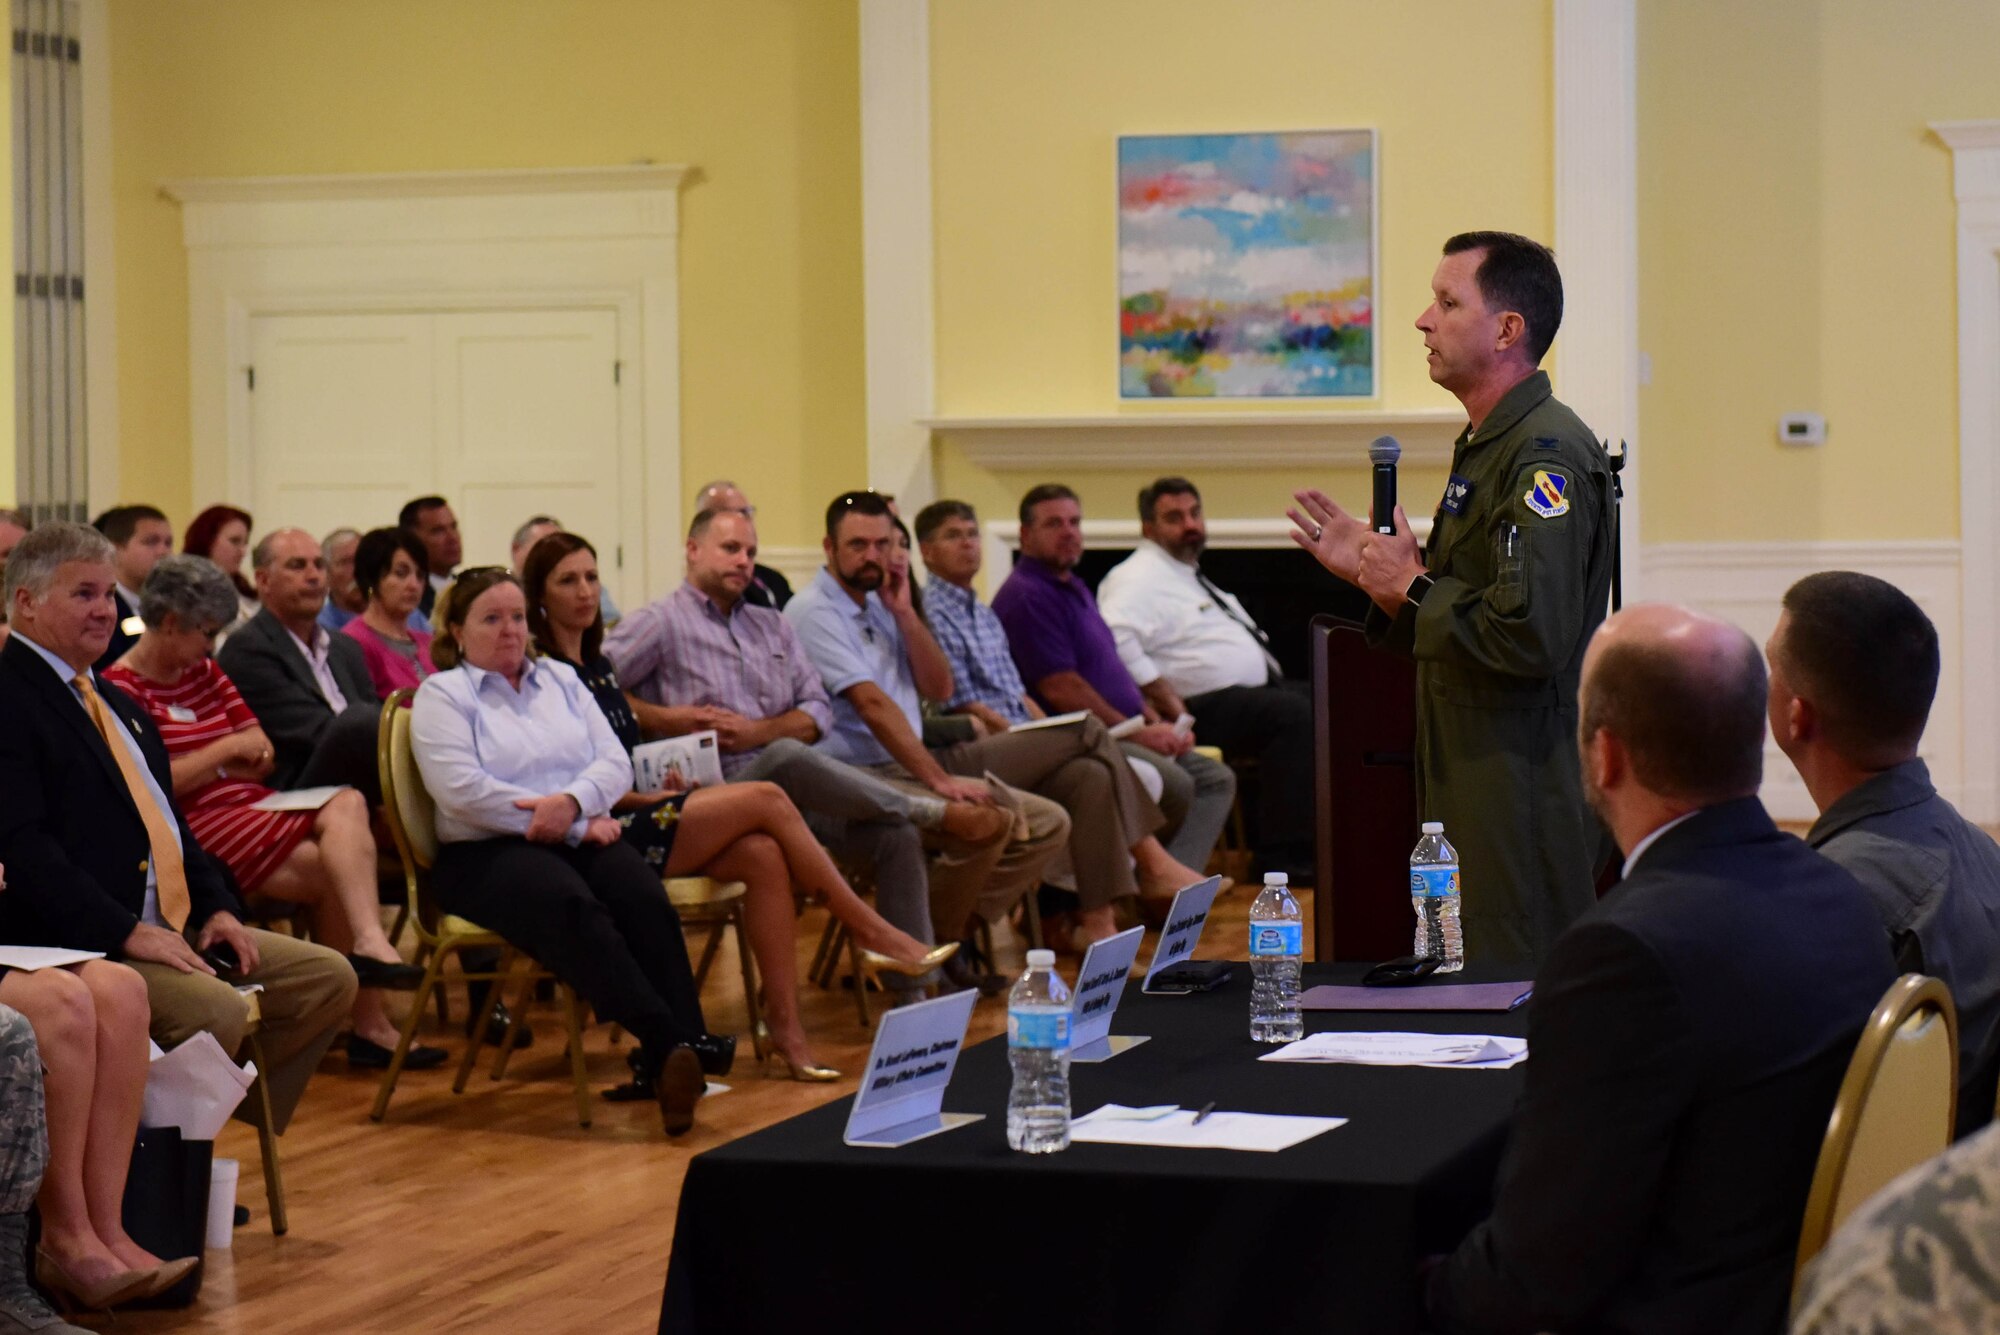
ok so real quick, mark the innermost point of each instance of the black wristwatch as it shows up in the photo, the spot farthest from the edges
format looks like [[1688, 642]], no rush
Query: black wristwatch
[[1421, 585]]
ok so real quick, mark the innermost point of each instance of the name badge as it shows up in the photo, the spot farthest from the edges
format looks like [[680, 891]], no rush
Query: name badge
[[180, 713], [1457, 495]]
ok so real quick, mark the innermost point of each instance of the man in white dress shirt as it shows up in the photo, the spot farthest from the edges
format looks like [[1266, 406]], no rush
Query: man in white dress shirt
[[1194, 650]]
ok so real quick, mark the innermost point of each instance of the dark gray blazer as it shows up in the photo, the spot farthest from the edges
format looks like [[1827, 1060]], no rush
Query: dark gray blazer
[[276, 681], [1685, 1042], [1935, 880]]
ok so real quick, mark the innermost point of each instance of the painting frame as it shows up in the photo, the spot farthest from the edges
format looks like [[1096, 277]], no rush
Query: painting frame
[[1270, 347]]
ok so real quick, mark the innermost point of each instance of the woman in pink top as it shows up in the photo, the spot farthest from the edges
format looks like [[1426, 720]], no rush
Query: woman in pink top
[[390, 570]]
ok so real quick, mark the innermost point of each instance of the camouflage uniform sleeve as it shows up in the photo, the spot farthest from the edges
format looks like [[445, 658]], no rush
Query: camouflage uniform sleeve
[[24, 1138]]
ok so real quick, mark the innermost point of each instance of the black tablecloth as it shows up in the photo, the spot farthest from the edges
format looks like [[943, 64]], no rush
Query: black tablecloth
[[789, 1230]]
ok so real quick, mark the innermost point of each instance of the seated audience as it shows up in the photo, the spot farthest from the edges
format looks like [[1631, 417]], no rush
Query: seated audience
[[90, 1026], [14, 525], [705, 658], [436, 527], [98, 856], [389, 571], [1921, 1257], [309, 688], [986, 686], [1854, 667], [748, 832], [219, 755], [222, 534], [344, 599], [1192, 649], [877, 660], [532, 532], [1687, 1034], [767, 588], [141, 535], [1069, 659], [524, 769]]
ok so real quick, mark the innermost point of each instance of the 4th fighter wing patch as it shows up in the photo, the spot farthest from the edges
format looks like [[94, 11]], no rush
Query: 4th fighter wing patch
[[1548, 495]]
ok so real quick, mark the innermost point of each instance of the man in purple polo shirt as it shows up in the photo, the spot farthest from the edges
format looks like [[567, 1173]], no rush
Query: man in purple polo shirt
[[1069, 659]]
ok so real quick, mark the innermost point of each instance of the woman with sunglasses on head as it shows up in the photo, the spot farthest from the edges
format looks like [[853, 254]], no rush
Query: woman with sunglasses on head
[[220, 755], [748, 832]]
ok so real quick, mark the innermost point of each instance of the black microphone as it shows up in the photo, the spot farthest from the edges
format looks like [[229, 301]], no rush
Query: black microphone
[[1383, 452]]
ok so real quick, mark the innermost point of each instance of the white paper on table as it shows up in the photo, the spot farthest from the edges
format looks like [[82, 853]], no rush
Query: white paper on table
[[195, 1087], [1262, 1132], [30, 958], [300, 799], [1479, 1052], [1052, 721]]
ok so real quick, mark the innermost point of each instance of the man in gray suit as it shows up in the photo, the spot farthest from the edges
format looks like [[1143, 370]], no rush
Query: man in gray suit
[[1854, 667], [309, 688]]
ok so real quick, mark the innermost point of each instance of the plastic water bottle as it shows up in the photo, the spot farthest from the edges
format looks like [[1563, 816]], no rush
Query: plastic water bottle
[[1434, 895], [1038, 1020], [1277, 942]]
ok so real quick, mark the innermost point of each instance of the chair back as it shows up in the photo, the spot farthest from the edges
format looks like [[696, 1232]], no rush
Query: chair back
[[1895, 1109], [411, 814]]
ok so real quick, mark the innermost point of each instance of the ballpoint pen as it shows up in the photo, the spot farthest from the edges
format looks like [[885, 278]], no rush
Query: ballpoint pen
[[1207, 1108]]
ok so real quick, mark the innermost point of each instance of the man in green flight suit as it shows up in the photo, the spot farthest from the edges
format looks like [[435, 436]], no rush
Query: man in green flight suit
[[1498, 606]]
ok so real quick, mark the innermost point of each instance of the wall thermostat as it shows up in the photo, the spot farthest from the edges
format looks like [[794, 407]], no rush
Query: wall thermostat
[[1802, 429]]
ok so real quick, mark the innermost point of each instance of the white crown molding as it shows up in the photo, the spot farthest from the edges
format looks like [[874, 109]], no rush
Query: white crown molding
[[1157, 439], [343, 188], [1961, 135], [1975, 154]]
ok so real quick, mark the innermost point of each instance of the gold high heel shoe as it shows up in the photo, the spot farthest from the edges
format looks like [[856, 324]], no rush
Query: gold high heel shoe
[[805, 1072], [165, 1275], [874, 963], [121, 1287]]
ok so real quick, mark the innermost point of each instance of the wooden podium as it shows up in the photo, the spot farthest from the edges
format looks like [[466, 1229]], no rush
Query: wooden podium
[[1365, 794]]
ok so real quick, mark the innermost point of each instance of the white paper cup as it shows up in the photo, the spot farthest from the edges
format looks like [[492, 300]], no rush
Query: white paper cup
[[222, 1202]]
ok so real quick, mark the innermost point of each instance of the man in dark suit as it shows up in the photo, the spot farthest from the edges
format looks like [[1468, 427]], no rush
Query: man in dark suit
[[1687, 1034], [140, 535], [97, 855], [309, 688]]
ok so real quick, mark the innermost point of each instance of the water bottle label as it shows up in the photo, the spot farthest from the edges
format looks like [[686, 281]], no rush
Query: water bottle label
[[1434, 882], [1038, 1029], [1277, 938]]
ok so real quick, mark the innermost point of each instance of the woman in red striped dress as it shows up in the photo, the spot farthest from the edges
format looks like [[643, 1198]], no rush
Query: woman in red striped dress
[[324, 858]]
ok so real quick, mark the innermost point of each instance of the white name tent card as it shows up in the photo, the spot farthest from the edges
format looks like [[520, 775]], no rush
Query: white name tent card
[[901, 1098], [1183, 930], [1478, 1052], [1100, 983]]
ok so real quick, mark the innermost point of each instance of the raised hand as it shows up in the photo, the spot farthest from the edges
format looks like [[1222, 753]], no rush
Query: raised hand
[[1332, 535]]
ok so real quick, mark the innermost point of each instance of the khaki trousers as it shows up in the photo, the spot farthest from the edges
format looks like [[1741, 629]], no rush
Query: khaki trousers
[[984, 879]]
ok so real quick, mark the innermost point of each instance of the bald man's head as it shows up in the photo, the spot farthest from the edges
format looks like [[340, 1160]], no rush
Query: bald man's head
[[1684, 695]]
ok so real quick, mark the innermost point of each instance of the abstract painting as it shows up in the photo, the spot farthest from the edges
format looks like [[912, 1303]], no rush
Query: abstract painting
[[1246, 265]]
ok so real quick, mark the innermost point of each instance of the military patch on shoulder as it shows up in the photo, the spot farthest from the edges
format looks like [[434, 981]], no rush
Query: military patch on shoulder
[[1548, 495]]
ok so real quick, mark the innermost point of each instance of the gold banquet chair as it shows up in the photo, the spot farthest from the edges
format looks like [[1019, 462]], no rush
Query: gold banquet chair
[[412, 822], [703, 901], [1896, 1108]]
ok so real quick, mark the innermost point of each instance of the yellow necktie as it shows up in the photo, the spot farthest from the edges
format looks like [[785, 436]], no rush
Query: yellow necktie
[[170, 876]]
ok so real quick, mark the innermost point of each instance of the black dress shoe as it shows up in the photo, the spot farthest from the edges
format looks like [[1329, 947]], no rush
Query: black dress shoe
[[716, 1052], [678, 1086], [503, 1025], [960, 976], [366, 1055], [398, 977]]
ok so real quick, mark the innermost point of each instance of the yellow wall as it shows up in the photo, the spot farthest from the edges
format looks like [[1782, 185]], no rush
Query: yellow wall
[[1029, 98], [1797, 255], [762, 96]]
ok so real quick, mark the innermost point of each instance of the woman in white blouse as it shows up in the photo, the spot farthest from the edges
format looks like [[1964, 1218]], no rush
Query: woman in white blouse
[[524, 770]]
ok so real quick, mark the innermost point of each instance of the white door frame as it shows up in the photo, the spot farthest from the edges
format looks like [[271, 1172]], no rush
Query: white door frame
[[442, 241], [1975, 147]]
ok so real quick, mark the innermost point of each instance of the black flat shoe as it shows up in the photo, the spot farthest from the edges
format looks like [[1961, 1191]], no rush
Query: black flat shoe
[[366, 1055], [398, 977], [503, 1025], [959, 976], [679, 1086], [716, 1053]]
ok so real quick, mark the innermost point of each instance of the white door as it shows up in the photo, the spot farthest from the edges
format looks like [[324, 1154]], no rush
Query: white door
[[507, 414]]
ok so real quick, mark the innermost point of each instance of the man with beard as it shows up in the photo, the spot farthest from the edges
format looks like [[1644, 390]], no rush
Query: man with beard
[[1193, 650], [1688, 1032]]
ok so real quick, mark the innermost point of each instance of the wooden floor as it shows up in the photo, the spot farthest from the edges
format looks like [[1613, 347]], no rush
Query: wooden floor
[[494, 1211]]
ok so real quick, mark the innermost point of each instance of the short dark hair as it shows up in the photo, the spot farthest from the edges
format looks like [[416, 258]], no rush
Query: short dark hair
[[1695, 730], [1048, 491], [938, 513], [1519, 275], [1149, 495], [377, 552], [413, 511], [120, 522], [550, 551], [1866, 656], [854, 503]]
